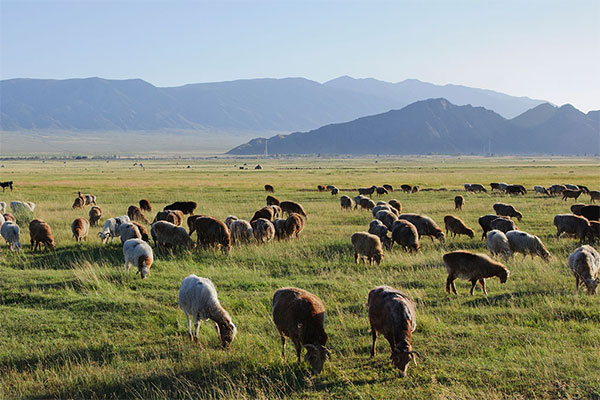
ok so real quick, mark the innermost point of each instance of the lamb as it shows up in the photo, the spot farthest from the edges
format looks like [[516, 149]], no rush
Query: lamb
[[387, 218], [213, 232], [503, 224], [186, 207], [138, 253], [11, 233], [585, 265], [459, 201], [272, 201], [269, 189], [80, 228], [265, 212], [263, 230], [143, 231], [367, 245], [395, 204], [556, 189], [111, 228], [291, 207], [456, 226], [541, 190], [40, 233], [367, 191], [485, 222], [377, 228], [576, 208], [472, 267], [135, 214], [300, 315], [573, 225], [366, 204], [497, 243], [393, 314], [145, 205], [506, 210], [406, 235], [571, 194], [389, 188], [294, 224], [594, 195], [22, 206], [95, 215], [228, 221], [241, 231], [346, 203], [425, 226], [591, 212], [127, 231], [525, 243], [381, 190], [79, 202], [198, 299], [165, 234]]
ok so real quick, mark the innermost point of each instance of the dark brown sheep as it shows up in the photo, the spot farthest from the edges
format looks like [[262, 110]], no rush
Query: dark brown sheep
[[272, 201], [389, 188], [594, 195], [186, 207], [415, 189], [571, 194], [172, 216], [506, 210], [396, 204], [269, 189], [95, 215], [573, 225], [381, 191], [456, 226], [212, 232], [367, 191], [591, 212], [576, 208], [425, 226], [135, 214], [503, 224], [143, 231], [79, 202], [293, 207], [459, 201], [406, 235], [516, 189], [293, 225], [191, 220], [472, 267], [321, 188], [40, 233], [145, 205], [265, 212], [406, 188], [485, 222]]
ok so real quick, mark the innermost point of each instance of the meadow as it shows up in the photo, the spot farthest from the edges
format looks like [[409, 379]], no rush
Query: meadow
[[73, 324]]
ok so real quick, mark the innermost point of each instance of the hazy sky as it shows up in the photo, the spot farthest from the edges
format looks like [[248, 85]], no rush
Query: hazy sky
[[541, 49]]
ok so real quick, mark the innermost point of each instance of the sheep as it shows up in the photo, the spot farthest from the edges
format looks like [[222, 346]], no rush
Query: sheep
[[357, 200], [192, 219], [135, 214], [186, 207], [10, 217], [425, 226], [367, 191], [393, 314], [571, 187], [300, 315], [576, 208], [387, 218], [40, 233], [415, 189], [591, 212], [541, 190], [396, 205], [472, 267], [213, 232], [128, 230], [2, 220], [11, 233], [571, 194], [459, 201], [594, 195], [172, 216], [165, 233], [573, 225], [556, 189], [334, 191], [241, 231], [497, 243], [198, 299], [265, 212], [2, 207], [228, 220], [503, 224], [377, 228], [367, 245], [456, 226], [501, 186], [406, 188], [89, 199], [485, 222], [79, 202], [584, 263], [584, 188], [294, 224], [111, 228], [474, 187], [379, 207], [80, 228], [346, 203], [145, 205], [22, 206], [506, 210], [525, 243], [389, 188], [272, 201], [143, 231], [366, 204], [516, 189], [381, 190], [269, 189], [279, 225], [291, 207], [138, 253], [263, 230], [95, 214], [320, 188], [277, 212], [406, 235]]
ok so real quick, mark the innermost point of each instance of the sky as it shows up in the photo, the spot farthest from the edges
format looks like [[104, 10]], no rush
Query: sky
[[541, 49]]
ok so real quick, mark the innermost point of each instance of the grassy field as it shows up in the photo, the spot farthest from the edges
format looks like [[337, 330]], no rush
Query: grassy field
[[74, 325]]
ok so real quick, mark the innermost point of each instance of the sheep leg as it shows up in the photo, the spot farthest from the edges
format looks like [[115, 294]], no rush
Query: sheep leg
[[373, 349], [453, 287], [450, 284], [473, 283], [298, 350], [577, 283], [525, 256], [189, 324], [196, 327], [282, 345], [482, 283], [356, 257]]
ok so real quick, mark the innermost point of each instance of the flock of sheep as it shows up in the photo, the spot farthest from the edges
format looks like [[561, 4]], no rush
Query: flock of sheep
[[297, 313]]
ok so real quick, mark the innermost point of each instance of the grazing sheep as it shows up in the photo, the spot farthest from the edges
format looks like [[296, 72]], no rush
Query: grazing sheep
[[334, 191], [500, 187], [213, 232], [584, 188], [320, 188], [497, 243], [330, 187], [576, 208], [172, 216], [389, 188], [166, 234], [585, 265], [571, 194], [10, 217], [143, 231], [79, 202], [128, 230], [393, 314], [594, 195], [425, 226], [269, 189], [415, 189], [474, 187], [294, 224], [456, 226], [571, 187], [378, 207], [485, 222], [145, 205], [556, 189], [300, 315], [95, 215], [367, 245], [406, 188], [39, 232], [198, 299], [367, 191], [506, 210], [516, 189], [186, 207], [472, 267], [525, 243], [573, 225], [277, 211], [135, 214], [11, 233], [459, 201], [357, 200], [263, 230], [591, 212], [89, 199], [272, 201], [541, 190], [381, 190], [377, 228], [388, 218], [595, 228], [191, 220], [138, 253], [503, 224], [346, 203], [20, 206], [291, 207], [366, 204], [279, 225], [265, 212], [80, 228], [241, 231], [396, 205], [406, 235], [228, 220]]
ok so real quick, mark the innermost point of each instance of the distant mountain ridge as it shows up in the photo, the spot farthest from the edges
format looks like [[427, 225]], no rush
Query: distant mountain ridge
[[436, 126]]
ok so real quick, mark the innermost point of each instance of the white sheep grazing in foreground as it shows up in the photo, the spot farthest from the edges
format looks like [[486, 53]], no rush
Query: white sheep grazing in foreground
[[525, 243], [111, 228], [138, 253], [497, 243], [127, 231], [11, 233], [198, 299], [585, 265]]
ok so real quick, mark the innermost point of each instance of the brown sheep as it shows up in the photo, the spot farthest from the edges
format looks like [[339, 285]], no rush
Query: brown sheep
[[472, 267], [406, 188], [506, 210], [576, 208], [456, 226], [191, 220], [425, 226], [595, 228], [263, 230], [293, 225], [381, 191], [503, 224], [367, 191], [95, 215], [594, 195], [485, 222], [300, 315], [269, 189], [143, 231], [266, 212], [571, 194], [135, 214], [10, 217], [40, 233], [415, 189], [166, 234], [145, 205], [459, 201], [366, 204], [272, 201], [213, 232], [321, 188], [406, 235], [396, 204], [389, 188], [79, 202], [186, 207], [573, 225], [172, 216], [367, 245], [292, 207], [393, 314], [80, 228]]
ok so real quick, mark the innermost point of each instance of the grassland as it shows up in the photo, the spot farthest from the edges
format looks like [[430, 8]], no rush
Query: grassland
[[74, 325]]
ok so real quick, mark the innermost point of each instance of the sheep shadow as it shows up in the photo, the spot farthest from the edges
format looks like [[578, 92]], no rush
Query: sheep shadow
[[69, 256]]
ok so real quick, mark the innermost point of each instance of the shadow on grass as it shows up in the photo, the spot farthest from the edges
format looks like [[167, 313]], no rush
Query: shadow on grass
[[69, 256]]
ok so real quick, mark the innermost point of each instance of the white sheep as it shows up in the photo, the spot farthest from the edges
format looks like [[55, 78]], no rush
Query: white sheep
[[138, 253], [497, 243], [127, 231], [229, 220], [111, 228], [525, 243], [89, 199], [2, 219], [11, 233], [241, 231], [198, 299], [18, 206], [585, 265]]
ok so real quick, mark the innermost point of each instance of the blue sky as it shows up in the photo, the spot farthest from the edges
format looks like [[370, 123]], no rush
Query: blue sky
[[541, 49]]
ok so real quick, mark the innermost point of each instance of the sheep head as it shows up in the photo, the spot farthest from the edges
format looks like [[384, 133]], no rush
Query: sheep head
[[440, 236], [316, 356], [227, 331], [401, 357], [503, 275]]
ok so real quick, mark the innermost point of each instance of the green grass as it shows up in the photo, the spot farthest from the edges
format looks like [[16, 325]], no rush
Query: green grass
[[74, 325]]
